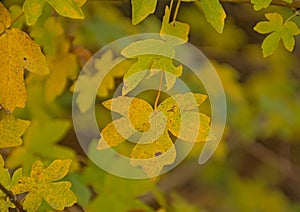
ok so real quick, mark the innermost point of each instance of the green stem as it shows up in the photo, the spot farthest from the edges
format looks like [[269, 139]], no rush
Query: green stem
[[176, 10], [297, 13], [159, 90]]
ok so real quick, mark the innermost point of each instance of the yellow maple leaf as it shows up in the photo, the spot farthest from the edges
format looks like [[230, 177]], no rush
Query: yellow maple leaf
[[17, 52], [10, 131]]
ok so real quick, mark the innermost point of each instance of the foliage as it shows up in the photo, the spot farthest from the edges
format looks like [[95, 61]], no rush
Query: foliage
[[52, 39]]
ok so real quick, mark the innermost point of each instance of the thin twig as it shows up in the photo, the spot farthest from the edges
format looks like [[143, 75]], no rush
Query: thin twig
[[176, 10], [12, 198], [17, 18], [159, 90]]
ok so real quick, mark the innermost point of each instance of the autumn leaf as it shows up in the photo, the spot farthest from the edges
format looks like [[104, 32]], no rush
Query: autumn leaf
[[174, 28], [135, 114], [184, 121], [69, 8], [17, 52], [154, 148], [277, 30], [42, 185], [10, 131], [154, 156]]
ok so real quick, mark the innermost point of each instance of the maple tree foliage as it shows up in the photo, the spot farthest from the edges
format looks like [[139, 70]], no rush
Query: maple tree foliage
[[45, 43]]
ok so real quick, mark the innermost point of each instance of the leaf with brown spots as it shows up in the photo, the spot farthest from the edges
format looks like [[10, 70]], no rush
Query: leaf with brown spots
[[40, 186], [17, 52]]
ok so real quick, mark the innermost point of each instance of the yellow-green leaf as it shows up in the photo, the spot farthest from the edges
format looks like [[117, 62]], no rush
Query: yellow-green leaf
[[214, 13], [69, 8], [11, 129], [4, 177], [279, 30], [141, 9], [5, 205], [40, 186], [152, 157], [183, 120], [175, 28]]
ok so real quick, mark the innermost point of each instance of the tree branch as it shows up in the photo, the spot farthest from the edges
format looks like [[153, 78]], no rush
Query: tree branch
[[12, 198], [295, 4]]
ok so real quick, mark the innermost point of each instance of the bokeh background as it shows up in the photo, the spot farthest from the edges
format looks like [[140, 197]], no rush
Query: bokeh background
[[256, 167]]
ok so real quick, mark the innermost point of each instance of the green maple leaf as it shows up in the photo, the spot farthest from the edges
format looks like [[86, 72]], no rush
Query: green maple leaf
[[42, 185], [69, 8], [10, 131], [141, 9], [277, 30]]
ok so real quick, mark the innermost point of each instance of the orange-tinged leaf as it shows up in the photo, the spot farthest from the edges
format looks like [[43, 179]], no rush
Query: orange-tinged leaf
[[17, 52], [10, 131]]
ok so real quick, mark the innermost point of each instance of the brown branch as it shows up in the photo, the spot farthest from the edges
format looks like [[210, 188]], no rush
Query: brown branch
[[295, 4], [12, 198]]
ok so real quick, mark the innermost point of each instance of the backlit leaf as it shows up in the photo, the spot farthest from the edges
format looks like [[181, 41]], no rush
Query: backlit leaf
[[279, 30], [155, 155], [184, 122], [175, 28], [40, 186], [69, 8], [214, 13], [154, 148], [141, 9], [10, 131], [152, 55]]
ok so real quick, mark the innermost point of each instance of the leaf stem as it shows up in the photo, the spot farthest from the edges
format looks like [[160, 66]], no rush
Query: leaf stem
[[171, 5], [159, 90], [12, 198], [297, 13], [176, 10], [17, 18]]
